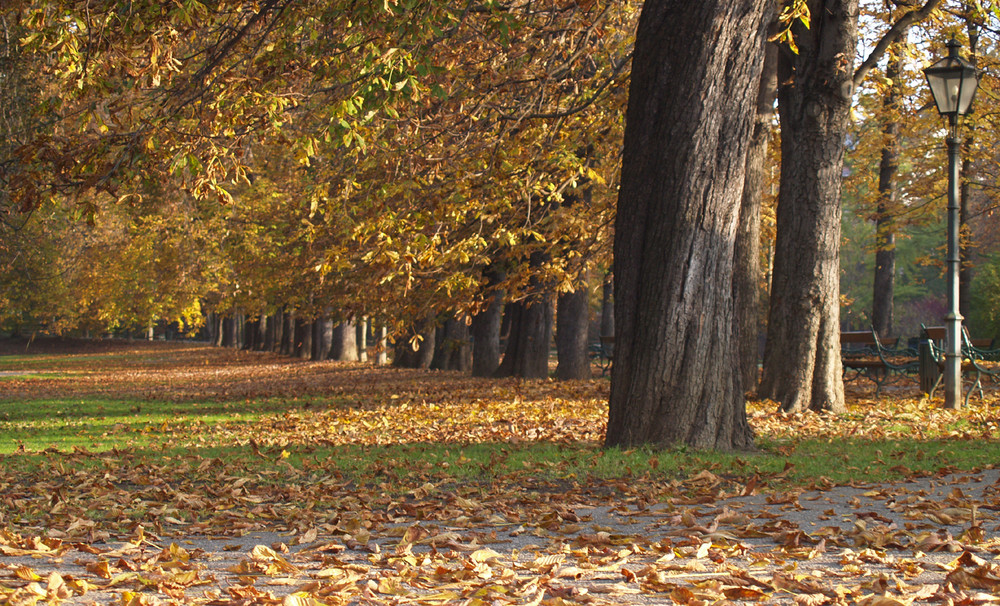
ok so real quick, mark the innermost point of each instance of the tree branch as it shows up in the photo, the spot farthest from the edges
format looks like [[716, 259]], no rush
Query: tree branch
[[895, 33]]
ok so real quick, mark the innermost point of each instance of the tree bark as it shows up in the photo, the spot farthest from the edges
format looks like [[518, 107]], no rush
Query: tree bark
[[607, 306], [486, 332], [382, 349], [695, 76], [229, 332], [802, 366], [527, 352], [362, 339], [453, 351], [303, 338], [421, 357], [344, 347], [884, 285], [746, 270], [572, 322], [288, 334]]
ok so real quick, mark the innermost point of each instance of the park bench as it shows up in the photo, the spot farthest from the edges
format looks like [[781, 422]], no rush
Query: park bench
[[604, 351], [978, 357], [863, 354]]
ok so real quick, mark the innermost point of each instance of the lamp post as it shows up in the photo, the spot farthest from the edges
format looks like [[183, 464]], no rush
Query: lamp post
[[953, 82]]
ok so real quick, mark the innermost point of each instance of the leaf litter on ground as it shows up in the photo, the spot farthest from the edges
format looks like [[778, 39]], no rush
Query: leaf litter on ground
[[237, 490]]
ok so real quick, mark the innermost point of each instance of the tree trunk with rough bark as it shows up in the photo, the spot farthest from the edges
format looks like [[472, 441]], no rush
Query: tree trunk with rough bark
[[884, 286], [572, 322], [303, 338], [802, 366], [453, 350], [695, 76], [344, 344], [486, 333], [746, 270], [527, 352]]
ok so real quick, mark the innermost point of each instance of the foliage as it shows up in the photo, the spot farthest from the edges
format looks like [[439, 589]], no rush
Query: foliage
[[293, 117]]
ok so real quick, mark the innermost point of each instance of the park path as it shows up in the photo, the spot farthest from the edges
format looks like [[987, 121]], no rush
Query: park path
[[929, 540]]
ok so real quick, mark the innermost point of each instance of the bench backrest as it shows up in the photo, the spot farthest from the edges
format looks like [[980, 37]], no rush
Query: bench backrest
[[864, 339]]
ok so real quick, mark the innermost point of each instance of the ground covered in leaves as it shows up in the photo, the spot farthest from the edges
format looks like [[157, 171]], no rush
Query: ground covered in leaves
[[158, 473]]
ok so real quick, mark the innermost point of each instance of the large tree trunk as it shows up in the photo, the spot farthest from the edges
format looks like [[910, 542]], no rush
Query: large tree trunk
[[695, 76], [572, 322], [802, 366], [885, 212], [486, 333], [746, 264]]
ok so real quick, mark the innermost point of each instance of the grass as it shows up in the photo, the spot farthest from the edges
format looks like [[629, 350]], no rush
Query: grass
[[402, 430]]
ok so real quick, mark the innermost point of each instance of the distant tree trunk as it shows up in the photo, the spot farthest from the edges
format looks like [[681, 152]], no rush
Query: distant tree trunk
[[695, 78], [572, 322], [382, 355], [608, 306], [452, 351], [322, 337], [269, 332], [275, 329], [363, 339], [229, 331], [250, 324], [303, 338], [260, 337], [288, 334], [802, 366], [527, 353], [344, 346], [421, 357], [885, 222], [746, 265], [486, 332]]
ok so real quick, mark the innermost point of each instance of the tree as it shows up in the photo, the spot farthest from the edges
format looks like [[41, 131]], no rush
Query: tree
[[695, 76], [883, 288], [802, 366], [746, 274]]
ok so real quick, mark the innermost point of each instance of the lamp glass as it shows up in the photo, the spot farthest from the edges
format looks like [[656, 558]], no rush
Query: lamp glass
[[953, 83]]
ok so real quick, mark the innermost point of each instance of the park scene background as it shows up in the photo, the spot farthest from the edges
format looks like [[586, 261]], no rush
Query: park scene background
[[310, 302]]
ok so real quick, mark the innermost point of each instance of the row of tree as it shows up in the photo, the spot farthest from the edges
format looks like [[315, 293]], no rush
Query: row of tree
[[428, 165]]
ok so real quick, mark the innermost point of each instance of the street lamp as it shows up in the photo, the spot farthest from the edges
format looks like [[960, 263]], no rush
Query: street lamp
[[953, 82]]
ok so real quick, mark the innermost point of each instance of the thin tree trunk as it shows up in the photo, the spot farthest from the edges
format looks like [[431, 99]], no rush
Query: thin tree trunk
[[382, 356], [746, 265], [363, 339], [453, 351], [885, 222]]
